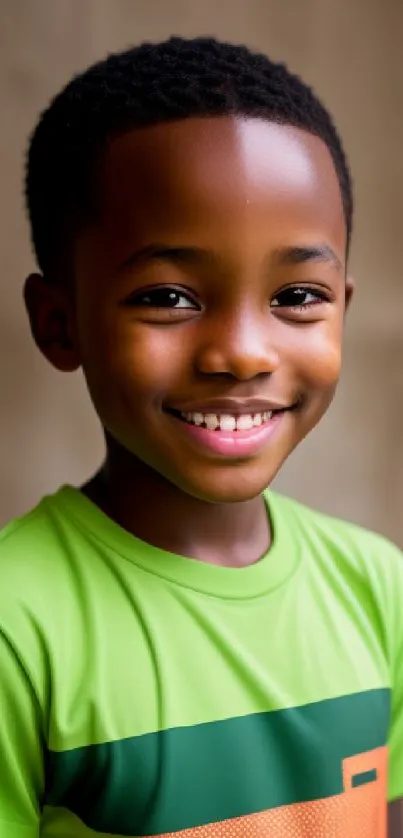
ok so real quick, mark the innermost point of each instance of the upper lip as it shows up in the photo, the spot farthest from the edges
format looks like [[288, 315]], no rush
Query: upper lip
[[234, 407]]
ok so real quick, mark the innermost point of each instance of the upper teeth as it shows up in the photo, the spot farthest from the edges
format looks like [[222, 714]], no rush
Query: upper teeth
[[227, 422]]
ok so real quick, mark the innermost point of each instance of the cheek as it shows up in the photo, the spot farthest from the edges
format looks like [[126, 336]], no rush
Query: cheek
[[150, 359], [319, 359], [132, 358]]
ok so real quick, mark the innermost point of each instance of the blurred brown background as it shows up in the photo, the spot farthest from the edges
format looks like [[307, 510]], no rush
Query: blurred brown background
[[350, 51]]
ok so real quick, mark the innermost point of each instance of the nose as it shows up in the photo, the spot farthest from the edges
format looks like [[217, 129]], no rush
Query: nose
[[242, 347]]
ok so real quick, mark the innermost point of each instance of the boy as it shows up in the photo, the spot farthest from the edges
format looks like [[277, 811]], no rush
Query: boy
[[184, 652]]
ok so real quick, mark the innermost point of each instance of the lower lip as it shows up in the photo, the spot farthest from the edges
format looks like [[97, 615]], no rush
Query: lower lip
[[232, 443]]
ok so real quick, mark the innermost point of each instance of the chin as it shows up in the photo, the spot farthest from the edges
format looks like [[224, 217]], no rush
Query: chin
[[236, 485]]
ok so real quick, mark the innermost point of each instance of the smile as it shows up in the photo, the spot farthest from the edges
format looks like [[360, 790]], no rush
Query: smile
[[227, 421], [226, 435]]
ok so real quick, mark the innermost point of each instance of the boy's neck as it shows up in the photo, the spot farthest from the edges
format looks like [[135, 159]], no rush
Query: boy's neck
[[154, 510]]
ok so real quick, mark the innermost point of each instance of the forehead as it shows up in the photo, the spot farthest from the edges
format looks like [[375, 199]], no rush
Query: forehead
[[218, 174]]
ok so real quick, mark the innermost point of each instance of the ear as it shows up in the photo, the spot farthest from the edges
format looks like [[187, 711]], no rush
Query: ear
[[349, 291], [52, 319]]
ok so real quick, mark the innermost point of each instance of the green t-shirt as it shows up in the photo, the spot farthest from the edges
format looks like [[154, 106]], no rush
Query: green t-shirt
[[143, 693]]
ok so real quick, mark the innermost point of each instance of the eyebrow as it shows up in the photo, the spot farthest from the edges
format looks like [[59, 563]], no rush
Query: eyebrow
[[164, 252], [309, 253], [283, 256]]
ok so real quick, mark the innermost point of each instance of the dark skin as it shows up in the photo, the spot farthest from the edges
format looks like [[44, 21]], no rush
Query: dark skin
[[212, 208], [242, 221]]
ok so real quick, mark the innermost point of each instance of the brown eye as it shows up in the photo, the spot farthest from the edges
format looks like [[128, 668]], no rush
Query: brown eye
[[298, 298], [169, 298]]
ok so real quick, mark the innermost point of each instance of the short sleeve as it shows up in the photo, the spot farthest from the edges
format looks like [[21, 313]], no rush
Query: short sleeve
[[392, 567], [395, 786], [21, 752]]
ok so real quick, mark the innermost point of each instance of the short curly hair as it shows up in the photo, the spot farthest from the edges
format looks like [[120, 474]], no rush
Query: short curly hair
[[143, 86]]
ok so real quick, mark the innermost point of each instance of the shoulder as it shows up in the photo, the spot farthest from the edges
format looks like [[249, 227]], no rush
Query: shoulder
[[28, 594], [35, 571], [28, 546], [353, 570], [351, 550], [41, 590]]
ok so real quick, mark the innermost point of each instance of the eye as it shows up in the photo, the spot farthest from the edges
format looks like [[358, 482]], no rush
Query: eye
[[299, 298], [164, 297]]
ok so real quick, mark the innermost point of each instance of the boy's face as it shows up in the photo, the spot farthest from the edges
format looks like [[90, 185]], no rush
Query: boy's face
[[212, 282]]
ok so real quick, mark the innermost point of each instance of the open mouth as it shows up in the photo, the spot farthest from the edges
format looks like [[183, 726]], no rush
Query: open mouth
[[226, 422]]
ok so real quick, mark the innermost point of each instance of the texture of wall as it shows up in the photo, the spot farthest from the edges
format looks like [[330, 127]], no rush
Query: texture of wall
[[350, 51]]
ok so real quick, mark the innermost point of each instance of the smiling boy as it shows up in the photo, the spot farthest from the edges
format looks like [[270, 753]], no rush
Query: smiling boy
[[183, 651]]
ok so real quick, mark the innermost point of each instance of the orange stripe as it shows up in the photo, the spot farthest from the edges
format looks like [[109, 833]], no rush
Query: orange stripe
[[356, 813]]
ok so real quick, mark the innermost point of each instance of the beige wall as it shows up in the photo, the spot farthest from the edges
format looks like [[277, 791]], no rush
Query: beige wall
[[350, 50]]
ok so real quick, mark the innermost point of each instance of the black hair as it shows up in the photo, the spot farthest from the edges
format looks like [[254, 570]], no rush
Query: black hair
[[145, 85]]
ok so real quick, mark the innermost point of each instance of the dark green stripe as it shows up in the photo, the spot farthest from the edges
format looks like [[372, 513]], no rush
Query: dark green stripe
[[364, 778], [185, 777]]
